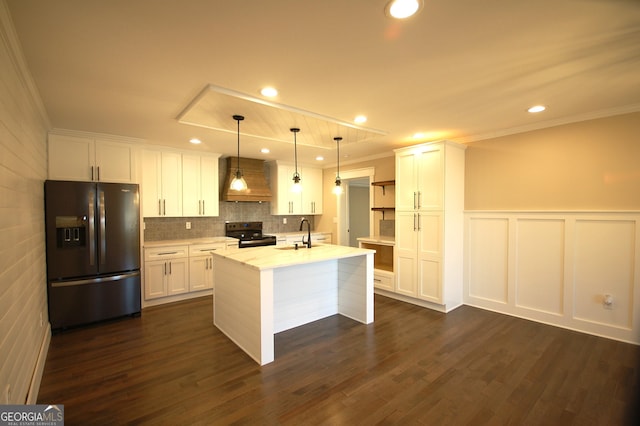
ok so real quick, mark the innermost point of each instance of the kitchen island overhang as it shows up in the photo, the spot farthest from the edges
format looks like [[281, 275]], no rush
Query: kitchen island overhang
[[265, 290]]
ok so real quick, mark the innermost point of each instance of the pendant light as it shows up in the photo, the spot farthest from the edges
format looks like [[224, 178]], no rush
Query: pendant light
[[297, 187], [238, 183], [338, 188]]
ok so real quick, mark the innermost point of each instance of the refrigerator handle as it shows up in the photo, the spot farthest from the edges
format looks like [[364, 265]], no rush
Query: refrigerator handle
[[103, 239], [92, 228]]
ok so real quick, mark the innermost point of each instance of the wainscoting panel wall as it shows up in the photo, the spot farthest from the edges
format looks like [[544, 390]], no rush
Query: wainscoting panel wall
[[577, 270]]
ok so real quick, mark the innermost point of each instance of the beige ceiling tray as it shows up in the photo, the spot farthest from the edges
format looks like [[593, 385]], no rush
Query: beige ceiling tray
[[214, 107]]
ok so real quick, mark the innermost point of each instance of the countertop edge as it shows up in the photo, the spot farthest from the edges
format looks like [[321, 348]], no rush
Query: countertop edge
[[188, 242], [240, 256]]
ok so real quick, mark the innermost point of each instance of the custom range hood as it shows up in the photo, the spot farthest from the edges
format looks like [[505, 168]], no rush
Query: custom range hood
[[253, 173]]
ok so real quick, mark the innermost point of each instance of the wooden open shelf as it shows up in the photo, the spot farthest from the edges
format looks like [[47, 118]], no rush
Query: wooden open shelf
[[384, 183]]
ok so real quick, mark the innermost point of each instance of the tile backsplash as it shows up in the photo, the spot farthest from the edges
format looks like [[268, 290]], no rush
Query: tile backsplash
[[174, 228], [388, 228]]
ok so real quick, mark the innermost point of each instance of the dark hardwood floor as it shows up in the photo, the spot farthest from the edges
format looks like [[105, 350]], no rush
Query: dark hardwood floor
[[171, 366]]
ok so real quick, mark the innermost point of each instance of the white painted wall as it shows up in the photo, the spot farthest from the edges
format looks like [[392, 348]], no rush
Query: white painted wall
[[23, 168], [556, 268]]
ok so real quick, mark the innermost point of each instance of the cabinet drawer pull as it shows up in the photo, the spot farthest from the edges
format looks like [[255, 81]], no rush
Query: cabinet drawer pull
[[167, 253]]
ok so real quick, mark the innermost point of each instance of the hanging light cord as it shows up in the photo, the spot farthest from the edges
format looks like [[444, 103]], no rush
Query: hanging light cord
[[338, 139], [296, 175], [238, 118], [295, 148]]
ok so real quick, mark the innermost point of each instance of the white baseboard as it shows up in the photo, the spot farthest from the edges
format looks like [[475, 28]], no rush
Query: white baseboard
[[36, 378]]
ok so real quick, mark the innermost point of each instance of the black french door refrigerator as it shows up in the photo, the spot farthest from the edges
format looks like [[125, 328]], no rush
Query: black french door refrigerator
[[93, 251]]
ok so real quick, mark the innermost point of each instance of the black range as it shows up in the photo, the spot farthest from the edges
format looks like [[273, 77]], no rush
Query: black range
[[249, 234]]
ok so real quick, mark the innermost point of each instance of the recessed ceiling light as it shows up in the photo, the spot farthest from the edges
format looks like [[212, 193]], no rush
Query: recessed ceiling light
[[418, 135], [269, 92], [195, 141], [360, 119], [265, 150], [537, 108], [401, 9], [319, 158]]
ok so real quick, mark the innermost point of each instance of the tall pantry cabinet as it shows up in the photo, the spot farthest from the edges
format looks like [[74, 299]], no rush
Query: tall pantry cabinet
[[429, 223]]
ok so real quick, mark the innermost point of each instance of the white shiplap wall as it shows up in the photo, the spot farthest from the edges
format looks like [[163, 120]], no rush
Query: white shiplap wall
[[24, 327]]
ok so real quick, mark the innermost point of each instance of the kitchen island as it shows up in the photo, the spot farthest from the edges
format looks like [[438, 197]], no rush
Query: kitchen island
[[261, 291]]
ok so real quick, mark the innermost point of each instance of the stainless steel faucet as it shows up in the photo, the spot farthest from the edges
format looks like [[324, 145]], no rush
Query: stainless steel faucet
[[308, 243]]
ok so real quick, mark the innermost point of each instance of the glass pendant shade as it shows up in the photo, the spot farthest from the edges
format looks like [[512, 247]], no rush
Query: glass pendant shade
[[238, 183], [338, 188]]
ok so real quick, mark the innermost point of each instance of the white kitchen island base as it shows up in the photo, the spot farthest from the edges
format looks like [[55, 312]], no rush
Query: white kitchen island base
[[265, 290]]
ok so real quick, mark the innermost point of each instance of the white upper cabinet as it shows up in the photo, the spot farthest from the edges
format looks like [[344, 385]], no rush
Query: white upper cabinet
[[81, 158], [200, 185], [287, 202], [311, 191], [419, 178], [161, 183]]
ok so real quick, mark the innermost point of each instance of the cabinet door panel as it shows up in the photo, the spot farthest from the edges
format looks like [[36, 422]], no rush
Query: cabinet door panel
[[151, 184], [70, 158], [430, 227], [178, 276], [198, 269], [430, 179], [191, 188], [171, 176], [155, 284], [406, 189], [430, 287], [406, 253], [209, 186], [114, 162], [312, 191]]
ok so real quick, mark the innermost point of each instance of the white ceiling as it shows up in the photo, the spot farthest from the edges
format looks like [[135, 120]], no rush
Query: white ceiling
[[461, 70]]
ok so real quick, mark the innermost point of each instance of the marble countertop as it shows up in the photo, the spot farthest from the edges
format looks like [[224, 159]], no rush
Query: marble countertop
[[271, 257], [188, 242], [378, 239]]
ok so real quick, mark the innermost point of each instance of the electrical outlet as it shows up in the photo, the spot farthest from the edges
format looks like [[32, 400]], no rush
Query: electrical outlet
[[284, 220], [188, 225], [607, 301], [41, 322]]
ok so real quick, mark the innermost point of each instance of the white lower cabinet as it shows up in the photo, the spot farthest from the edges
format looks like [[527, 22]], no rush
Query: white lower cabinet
[[383, 280], [183, 271], [166, 271], [383, 269], [201, 265]]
